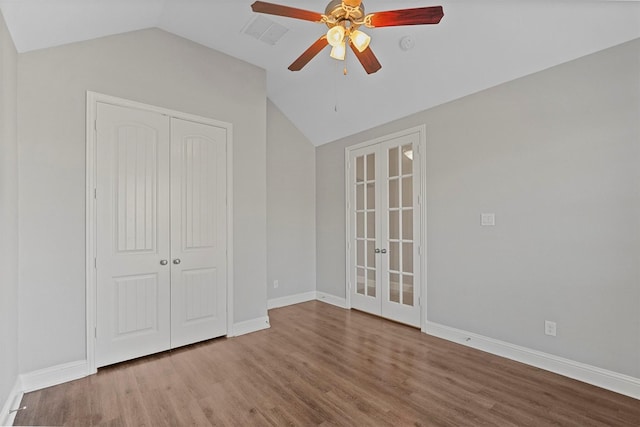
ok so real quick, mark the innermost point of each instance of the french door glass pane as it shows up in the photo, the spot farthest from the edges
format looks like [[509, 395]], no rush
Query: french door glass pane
[[371, 255], [407, 257], [394, 225], [371, 195], [407, 289], [393, 162], [407, 192], [407, 159], [360, 197], [394, 287], [371, 283], [394, 256], [407, 224], [360, 279], [360, 169], [371, 167], [371, 225], [360, 225], [360, 253], [394, 193]]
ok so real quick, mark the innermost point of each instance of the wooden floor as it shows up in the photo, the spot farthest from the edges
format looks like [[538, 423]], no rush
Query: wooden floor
[[321, 365]]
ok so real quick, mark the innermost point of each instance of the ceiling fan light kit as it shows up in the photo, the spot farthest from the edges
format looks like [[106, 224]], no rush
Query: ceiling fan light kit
[[344, 18], [339, 51]]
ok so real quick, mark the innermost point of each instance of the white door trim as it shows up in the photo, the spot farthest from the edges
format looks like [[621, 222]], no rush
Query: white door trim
[[92, 100], [422, 144]]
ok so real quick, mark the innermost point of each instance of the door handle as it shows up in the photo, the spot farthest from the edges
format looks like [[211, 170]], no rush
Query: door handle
[[384, 251], [176, 261], [163, 262], [377, 251]]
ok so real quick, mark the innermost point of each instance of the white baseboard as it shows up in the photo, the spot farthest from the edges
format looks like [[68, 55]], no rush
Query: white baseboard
[[12, 402], [331, 299], [249, 326], [599, 377], [291, 299], [54, 375]]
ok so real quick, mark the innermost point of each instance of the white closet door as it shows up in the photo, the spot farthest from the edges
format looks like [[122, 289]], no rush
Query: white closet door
[[160, 231], [198, 232], [133, 287], [384, 182]]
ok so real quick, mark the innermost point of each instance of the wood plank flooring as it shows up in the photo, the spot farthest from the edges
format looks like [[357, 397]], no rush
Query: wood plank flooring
[[321, 365]]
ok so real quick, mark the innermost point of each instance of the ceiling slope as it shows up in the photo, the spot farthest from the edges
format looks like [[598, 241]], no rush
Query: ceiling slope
[[477, 45]]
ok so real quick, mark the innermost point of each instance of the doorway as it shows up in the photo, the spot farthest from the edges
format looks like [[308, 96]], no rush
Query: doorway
[[385, 222]]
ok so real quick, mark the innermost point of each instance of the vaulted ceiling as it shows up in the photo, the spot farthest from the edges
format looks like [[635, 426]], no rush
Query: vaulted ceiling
[[477, 45]]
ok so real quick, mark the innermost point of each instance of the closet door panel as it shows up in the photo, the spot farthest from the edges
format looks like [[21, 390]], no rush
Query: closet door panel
[[133, 288], [198, 232]]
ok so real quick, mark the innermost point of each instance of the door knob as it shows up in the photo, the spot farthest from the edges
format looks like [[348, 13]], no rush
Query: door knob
[[384, 251], [377, 250], [163, 262], [176, 261]]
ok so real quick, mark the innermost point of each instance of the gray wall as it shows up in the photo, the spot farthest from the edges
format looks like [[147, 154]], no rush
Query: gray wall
[[556, 155], [291, 208], [148, 66], [8, 215]]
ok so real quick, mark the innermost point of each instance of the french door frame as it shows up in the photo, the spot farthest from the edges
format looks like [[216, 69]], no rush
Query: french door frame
[[93, 98], [422, 179]]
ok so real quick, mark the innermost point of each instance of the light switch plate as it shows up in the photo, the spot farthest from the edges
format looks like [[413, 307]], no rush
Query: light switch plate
[[487, 219]]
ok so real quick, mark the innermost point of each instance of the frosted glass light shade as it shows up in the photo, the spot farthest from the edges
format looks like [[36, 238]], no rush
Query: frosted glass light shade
[[335, 35], [360, 40], [338, 52]]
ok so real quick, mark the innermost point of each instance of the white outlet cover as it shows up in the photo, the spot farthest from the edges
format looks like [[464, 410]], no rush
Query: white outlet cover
[[550, 328], [487, 219]]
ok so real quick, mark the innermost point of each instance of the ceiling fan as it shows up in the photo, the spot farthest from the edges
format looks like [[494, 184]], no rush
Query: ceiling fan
[[344, 18]]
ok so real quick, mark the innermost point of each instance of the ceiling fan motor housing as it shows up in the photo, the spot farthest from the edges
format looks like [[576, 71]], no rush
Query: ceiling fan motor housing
[[352, 11]]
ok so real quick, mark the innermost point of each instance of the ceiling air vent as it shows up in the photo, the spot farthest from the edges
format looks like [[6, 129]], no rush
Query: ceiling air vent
[[265, 30]]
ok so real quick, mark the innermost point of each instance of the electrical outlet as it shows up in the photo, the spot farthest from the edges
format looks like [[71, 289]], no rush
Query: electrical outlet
[[550, 328], [276, 283]]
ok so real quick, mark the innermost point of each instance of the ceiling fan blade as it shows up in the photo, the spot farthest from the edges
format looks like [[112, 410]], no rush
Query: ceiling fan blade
[[289, 12], [308, 54], [367, 59], [417, 16]]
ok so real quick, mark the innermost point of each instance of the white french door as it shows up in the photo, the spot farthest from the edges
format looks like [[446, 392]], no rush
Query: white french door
[[384, 228], [160, 233]]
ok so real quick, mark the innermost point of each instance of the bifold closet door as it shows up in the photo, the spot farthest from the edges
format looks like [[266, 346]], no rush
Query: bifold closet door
[[132, 229], [160, 233], [384, 222]]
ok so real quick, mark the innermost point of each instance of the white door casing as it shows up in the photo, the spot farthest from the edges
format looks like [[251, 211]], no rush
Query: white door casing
[[385, 224], [148, 200]]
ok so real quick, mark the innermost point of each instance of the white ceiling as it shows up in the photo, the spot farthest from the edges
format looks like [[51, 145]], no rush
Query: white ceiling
[[478, 44]]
